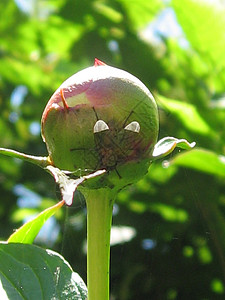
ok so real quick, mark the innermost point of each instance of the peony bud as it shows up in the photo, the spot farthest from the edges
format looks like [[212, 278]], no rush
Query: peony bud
[[102, 118]]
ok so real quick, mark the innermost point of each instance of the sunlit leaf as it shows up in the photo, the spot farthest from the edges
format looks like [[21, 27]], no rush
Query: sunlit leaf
[[20, 214], [166, 145], [204, 24], [217, 286], [204, 255], [187, 115], [32, 75], [108, 12], [141, 12], [58, 35], [29, 272], [27, 233], [202, 160], [157, 173], [169, 213], [166, 212]]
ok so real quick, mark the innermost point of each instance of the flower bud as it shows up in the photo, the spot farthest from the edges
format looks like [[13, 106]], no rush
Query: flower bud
[[102, 118]]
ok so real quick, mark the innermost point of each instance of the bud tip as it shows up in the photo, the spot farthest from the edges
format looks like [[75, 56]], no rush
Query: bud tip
[[99, 63]]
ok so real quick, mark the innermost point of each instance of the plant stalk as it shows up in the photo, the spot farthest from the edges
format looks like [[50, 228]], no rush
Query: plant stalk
[[99, 220], [40, 161]]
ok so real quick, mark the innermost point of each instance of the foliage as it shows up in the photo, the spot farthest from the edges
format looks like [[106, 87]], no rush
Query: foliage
[[28, 232], [177, 210], [29, 272]]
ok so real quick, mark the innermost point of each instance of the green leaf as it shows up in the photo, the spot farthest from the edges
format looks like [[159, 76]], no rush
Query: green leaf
[[108, 12], [187, 114], [53, 34], [27, 233], [201, 160], [204, 24], [141, 12], [166, 145], [29, 272], [169, 213], [29, 74]]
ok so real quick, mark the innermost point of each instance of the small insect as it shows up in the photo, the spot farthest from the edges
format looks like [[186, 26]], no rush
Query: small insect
[[114, 144]]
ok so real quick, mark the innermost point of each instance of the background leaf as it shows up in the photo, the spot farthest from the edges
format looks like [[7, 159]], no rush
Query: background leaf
[[140, 12], [201, 160], [29, 272], [187, 114], [209, 39], [28, 232]]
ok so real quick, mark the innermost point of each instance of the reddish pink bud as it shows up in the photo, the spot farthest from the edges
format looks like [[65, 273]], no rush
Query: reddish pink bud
[[102, 118]]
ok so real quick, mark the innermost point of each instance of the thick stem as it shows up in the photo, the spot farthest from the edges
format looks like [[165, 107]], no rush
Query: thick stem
[[99, 219]]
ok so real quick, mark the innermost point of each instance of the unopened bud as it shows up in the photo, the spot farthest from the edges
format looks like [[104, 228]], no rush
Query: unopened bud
[[102, 118]]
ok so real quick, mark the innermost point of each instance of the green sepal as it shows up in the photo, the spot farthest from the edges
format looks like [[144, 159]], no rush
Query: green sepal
[[166, 145], [68, 185]]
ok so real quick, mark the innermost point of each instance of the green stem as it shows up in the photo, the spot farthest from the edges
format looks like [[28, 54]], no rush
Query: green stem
[[99, 220], [40, 161]]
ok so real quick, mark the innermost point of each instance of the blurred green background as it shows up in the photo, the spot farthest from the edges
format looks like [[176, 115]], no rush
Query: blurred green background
[[169, 228]]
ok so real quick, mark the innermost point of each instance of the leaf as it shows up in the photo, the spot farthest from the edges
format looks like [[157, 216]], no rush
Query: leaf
[[187, 114], [204, 25], [53, 34], [108, 12], [166, 145], [29, 74], [169, 213], [27, 233], [141, 12], [29, 272], [201, 160]]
